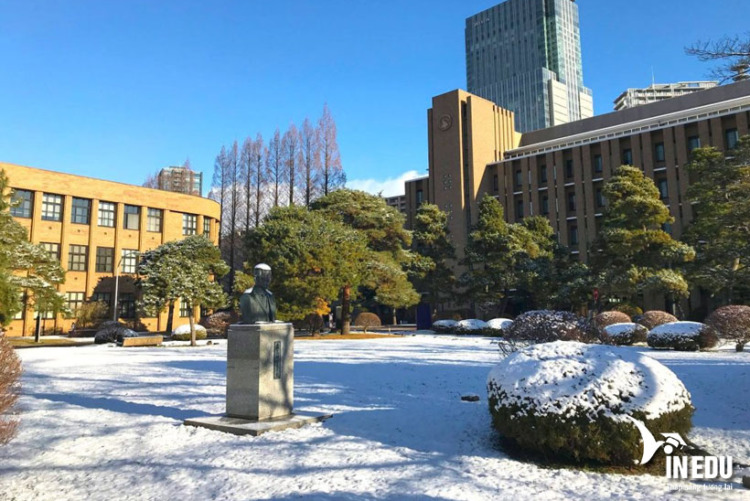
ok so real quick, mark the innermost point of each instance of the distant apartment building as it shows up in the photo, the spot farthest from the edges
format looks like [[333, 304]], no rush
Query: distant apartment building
[[96, 229], [658, 92], [180, 180], [525, 56], [398, 202]]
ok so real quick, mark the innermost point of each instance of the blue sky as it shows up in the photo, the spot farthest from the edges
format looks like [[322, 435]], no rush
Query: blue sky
[[118, 89]]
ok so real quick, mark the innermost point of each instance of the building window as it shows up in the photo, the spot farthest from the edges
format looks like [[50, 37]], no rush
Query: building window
[[102, 297], [78, 257], [519, 208], [518, 180], [22, 202], [732, 138], [663, 190], [105, 257], [45, 315], [153, 222], [81, 211], [568, 169], [74, 301], [495, 183], [598, 164], [543, 174], [52, 207], [129, 260], [132, 217], [420, 198], [571, 201], [126, 306], [659, 155], [627, 156], [573, 235], [107, 214], [545, 205], [184, 310], [190, 222], [693, 143], [207, 226], [599, 195], [52, 249]]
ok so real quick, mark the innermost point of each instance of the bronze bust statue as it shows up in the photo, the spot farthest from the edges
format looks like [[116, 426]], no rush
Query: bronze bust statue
[[257, 304]]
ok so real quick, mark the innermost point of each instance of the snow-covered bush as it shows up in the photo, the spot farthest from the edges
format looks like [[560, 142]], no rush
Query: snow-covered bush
[[568, 401], [182, 333], [626, 333], [109, 331], [367, 320], [471, 326], [10, 374], [543, 326], [498, 326], [655, 318], [444, 326], [682, 336], [732, 323], [606, 318]]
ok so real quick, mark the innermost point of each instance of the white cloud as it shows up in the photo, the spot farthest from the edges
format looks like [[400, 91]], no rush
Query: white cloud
[[389, 187]]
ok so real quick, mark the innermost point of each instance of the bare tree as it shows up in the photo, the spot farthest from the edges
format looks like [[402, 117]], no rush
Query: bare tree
[[332, 174], [247, 164], [152, 181], [235, 206], [275, 167], [219, 186], [261, 175], [310, 144], [733, 52], [290, 147]]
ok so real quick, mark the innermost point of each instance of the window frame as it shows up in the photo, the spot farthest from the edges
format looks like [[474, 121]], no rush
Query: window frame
[[54, 252], [108, 222], [129, 261], [189, 224], [78, 261], [80, 214], [154, 215], [55, 202], [131, 217], [22, 206], [105, 261]]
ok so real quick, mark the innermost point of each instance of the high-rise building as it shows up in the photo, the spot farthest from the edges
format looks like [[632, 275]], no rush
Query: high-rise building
[[657, 92], [181, 180], [525, 55]]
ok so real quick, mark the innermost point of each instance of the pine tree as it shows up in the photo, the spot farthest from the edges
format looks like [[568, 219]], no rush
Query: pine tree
[[632, 253], [431, 272]]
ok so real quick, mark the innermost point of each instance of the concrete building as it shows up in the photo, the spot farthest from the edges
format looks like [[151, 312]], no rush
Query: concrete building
[[180, 180], [398, 202], [559, 172], [525, 56], [96, 228], [658, 92]]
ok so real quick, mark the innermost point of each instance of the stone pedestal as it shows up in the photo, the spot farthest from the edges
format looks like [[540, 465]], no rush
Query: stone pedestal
[[260, 382], [260, 371]]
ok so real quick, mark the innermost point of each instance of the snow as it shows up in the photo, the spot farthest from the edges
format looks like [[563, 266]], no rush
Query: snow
[[568, 378], [499, 324], [675, 329], [445, 324], [622, 329], [185, 329], [104, 423], [471, 324]]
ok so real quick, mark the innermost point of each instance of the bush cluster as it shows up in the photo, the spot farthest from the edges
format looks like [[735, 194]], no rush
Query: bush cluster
[[217, 324], [182, 333], [109, 331], [655, 318], [544, 326], [10, 375], [606, 318], [367, 320], [624, 334], [732, 323], [683, 336]]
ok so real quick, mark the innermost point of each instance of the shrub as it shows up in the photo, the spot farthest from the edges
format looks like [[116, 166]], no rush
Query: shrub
[[498, 326], [628, 309], [655, 318], [91, 314], [182, 333], [444, 326], [313, 323], [568, 401], [217, 324], [10, 376], [732, 323], [624, 334], [108, 332], [471, 326], [543, 326], [366, 320], [606, 318], [682, 336]]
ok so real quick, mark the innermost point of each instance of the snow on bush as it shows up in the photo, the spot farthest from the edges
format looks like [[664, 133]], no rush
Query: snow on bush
[[471, 326], [182, 333], [568, 401], [542, 326], [682, 336], [655, 318], [732, 323], [109, 332], [626, 333], [499, 324], [606, 318], [444, 326]]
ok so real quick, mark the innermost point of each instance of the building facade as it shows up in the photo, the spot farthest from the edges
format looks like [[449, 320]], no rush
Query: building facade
[[658, 92], [96, 229], [525, 56], [560, 172], [180, 180]]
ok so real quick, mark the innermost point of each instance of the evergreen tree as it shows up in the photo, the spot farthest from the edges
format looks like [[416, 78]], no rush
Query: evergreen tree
[[720, 230], [430, 273], [182, 270], [632, 253]]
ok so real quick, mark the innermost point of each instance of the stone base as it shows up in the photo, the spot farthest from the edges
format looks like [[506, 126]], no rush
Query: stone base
[[238, 426]]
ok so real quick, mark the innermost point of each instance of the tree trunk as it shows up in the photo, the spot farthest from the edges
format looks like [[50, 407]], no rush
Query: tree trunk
[[192, 326], [346, 293], [170, 317]]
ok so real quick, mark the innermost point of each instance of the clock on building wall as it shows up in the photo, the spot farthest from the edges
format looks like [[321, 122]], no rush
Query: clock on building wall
[[445, 122]]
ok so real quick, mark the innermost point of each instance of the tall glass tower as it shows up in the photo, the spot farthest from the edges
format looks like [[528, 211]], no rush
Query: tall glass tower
[[525, 55]]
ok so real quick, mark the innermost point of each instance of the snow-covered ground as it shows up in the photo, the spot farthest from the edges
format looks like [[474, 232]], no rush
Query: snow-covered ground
[[104, 423]]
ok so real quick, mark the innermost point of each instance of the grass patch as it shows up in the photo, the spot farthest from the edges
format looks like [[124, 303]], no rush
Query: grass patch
[[28, 342]]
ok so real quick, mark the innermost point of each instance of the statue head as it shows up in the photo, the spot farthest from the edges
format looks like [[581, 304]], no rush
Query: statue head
[[262, 274]]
